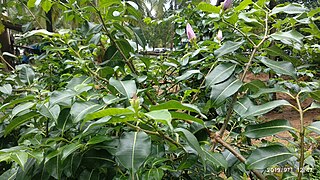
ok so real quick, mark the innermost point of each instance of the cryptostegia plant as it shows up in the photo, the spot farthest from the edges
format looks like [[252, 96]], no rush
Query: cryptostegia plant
[[93, 107]]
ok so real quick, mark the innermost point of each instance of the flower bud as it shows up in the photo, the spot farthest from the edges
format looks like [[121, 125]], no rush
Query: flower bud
[[190, 33], [227, 4], [219, 35]]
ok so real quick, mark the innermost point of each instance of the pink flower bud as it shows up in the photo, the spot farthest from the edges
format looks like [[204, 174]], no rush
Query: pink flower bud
[[219, 35], [227, 4], [190, 32]]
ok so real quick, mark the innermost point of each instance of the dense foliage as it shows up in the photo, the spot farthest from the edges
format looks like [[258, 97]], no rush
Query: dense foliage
[[92, 107]]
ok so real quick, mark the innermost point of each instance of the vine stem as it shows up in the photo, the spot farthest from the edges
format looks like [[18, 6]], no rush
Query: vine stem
[[301, 159], [2, 59], [234, 97]]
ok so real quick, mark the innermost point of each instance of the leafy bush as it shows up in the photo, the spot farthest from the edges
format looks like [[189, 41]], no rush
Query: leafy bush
[[91, 107]]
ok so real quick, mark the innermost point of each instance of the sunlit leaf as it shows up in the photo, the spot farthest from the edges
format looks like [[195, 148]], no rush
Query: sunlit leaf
[[220, 73], [228, 47], [315, 127], [126, 88], [15, 122], [290, 9], [280, 67], [6, 89], [221, 91], [267, 129], [264, 157]]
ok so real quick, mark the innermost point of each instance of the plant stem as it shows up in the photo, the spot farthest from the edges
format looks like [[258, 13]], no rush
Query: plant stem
[[301, 159], [234, 97], [237, 154]]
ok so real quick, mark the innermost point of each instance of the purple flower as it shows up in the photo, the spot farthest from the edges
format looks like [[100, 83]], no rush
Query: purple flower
[[190, 33], [219, 35], [227, 4]]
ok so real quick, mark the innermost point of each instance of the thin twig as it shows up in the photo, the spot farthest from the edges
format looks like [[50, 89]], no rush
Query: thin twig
[[34, 17], [2, 59], [237, 154], [302, 131]]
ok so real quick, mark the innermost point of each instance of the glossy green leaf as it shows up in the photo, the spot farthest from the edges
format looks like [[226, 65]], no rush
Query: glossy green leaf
[[256, 110], [51, 113], [221, 91], [267, 129], [10, 174], [288, 37], [69, 149], [107, 3], [163, 116], [154, 174], [315, 95], [193, 142], [126, 88], [220, 73], [289, 9], [315, 127], [243, 5], [207, 7], [228, 47], [63, 98], [99, 139], [99, 122], [276, 51], [314, 105], [6, 89], [216, 159], [22, 107], [268, 90], [31, 3], [20, 157], [80, 109], [176, 105], [264, 157], [187, 75], [17, 101], [133, 150], [241, 107], [15, 122], [281, 67], [108, 112], [186, 117], [46, 5], [26, 75]]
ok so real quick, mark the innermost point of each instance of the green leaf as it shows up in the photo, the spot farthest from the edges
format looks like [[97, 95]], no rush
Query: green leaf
[[268, 90], [228, 47], [17, 101], [161, 115], [133, 150], [63, 98], [6, 89], [126, 88], [276, 51], [221, 91], [243, 5], [186, 117], [99, 139], [80, 109], [107, 3], [314, 105], [280, 67], [264, 157], [289, 9], [315, 127], [242, 106], [26, 75], [254, 110], [315, 95], [69, 149], [288, 37], [31, 3], [46, 5], [187, 75], [220, 73], [193, 142], [153, 174], [10, 174], [254, 86], [99, 122], [267, 129], [216, 159], [176, 105], [22, 107], [108, 112], [20, 157], [207, 7], [51, 113], [20, 120]]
